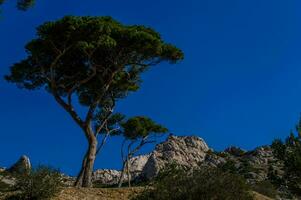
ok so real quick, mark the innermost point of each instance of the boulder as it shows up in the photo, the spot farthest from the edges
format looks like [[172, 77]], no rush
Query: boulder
[[137, 164], [235, 151], [213, 160], [21, 166], [188, 151], [2, 169], [111, 177], [106, 176]]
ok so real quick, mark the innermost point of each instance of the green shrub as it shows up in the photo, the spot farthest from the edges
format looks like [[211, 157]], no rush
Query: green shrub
[[205, 184], [4, 187], [41, 183], [229, 167], [266, 188], [289, 152]]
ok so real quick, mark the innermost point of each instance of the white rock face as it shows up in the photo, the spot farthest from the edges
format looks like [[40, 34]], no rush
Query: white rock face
[[2, 169], [111, 177], [21, 166], [137, 164], [106, 176], [8, 180], [188, 151]]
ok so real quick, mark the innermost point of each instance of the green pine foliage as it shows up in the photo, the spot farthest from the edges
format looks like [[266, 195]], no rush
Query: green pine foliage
[[266, 188], [22, 4], [94, 61], [41, 183], [25, 4], [206, 184], [289, 151]]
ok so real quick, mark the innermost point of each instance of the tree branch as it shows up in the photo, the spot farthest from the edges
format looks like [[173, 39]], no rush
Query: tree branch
[[92, 108], [77, 85], [53, 88]]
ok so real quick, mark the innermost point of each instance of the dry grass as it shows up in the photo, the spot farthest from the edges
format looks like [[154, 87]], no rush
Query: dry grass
[[258, 196], [98, 193], [109, 194], [112, 194]]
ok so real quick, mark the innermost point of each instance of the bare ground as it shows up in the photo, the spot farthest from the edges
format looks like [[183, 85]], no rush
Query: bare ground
[[98, 193], [108, 194], [112, 194]]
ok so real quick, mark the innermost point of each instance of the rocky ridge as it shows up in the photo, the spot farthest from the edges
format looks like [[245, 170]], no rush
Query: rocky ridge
[[190, 152]]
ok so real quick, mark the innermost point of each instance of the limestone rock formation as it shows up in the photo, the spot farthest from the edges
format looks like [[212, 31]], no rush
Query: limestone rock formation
[[21, 166], [2, 169], [111, 177], [255, 165], [188, 151], [235, 151], [106, 176]]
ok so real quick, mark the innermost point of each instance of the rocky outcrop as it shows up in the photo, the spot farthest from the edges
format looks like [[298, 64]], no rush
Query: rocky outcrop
[[21, 166], [188, 151], [262, 162], [2, 169], [106, 176], [235, 151], [111, 177], [256, 165], [191, 152]]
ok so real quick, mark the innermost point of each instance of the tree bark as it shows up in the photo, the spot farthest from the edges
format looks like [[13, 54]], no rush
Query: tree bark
[[122, 174], [79, 179], [128, 173], [89, 163]]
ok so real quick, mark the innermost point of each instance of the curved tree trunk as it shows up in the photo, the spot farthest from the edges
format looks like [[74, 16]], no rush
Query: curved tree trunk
[[79, 179], [84, 178], [89, 163], [128, 173], [122, 174]]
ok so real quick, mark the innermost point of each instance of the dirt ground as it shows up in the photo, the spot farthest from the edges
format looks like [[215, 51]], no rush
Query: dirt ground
[[111, 194], [108, 194], [98, 193]]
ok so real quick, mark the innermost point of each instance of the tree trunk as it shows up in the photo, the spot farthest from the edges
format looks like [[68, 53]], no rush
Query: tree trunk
[[89, 164], [122, 174], [128, 172], [79, 179], [84, 178]]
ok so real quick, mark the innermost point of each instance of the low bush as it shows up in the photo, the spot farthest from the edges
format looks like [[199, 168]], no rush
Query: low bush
[[41, 183], [206, 184], [4, 187], [266, 188]]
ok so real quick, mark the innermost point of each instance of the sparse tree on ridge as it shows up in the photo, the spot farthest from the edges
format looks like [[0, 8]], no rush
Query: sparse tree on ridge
[[22, 4], [137, 132], [91, 62]]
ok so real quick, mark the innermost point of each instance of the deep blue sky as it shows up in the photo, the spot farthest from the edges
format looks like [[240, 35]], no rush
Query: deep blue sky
[[238, 85]]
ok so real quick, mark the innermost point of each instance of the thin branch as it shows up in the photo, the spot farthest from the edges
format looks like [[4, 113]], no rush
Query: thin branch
[[92, 108], [109, 132], [77, 85], [53, 88]]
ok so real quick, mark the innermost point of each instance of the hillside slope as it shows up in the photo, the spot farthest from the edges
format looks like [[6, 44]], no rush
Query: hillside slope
[[111, 194]]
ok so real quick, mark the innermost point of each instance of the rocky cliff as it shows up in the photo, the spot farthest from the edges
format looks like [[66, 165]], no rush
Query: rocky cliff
[[191, 152], [186, 151]]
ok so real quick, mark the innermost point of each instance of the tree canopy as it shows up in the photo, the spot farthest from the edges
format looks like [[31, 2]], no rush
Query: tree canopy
[[140, 127], [22, 4], [96, 58], [94, 61], [87, 54], [137, 131]]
